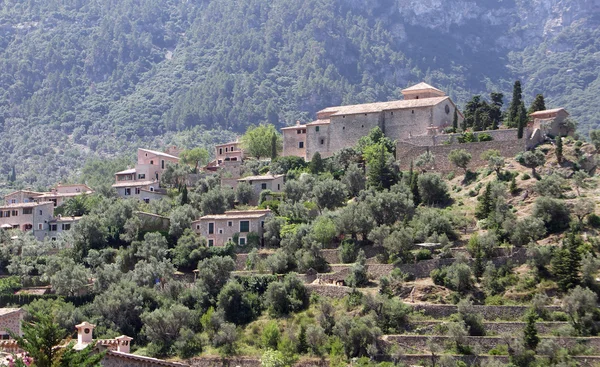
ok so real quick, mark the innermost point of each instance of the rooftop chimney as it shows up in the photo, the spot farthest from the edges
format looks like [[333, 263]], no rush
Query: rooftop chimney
[[124, 343], [84, 333]]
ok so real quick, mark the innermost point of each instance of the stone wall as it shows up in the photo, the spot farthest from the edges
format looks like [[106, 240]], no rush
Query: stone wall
[[331, 291], [488, 312], [433, 140], [292, 137], [485, 342], [407, 153], [152, 222], [117, 359], [491, 328], [248, 362], [11, 320]]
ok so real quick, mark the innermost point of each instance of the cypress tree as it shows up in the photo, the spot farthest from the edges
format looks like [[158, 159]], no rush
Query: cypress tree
[[520, 127], [316, 164], [513, 186], [566, 263], [184, 195], [273, 146], [380, 175], [538, 104], [414, 188], [559, 149], [515, 104], [454, 121], [530, 333]]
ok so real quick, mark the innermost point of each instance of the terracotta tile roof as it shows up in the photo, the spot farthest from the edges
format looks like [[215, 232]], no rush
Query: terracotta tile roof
[[421, 86], [260, 178], [8, 311], [319, 122], [126, 172], [293, 127], [385, 106], [24, 192], [236, 214], [63, 194], [545, 112], [158, 153], [133, 183], [227, 144], [65, 219], [24, 205]]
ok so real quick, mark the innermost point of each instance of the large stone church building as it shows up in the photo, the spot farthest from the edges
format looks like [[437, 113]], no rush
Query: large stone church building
[[425, 110]]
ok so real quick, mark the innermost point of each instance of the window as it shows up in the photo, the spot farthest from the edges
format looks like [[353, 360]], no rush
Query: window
[[14, 213], [53, 227], [211, 243], [53, 239], [263, 186], [137, 190], [301, 145], [147, 200], [5, 214], [151, 189], [322, 141], [298, 131], [230, 224], [242, 241], [41, 213], [211, 228], [278, 187], [28, 227], [226, 150], [413, 112], [392, 113], [317, 128], [197, 226], [220, 230], [4, 337], [40, 226], [151, 162], [447, 109], [244, 226], [127, 191], [220, 150], [13, 201], [141, 176], [66, 226], [303, 131], [362, 125], [162, 164], [27, 211], [262, 224], [417, 97], [343, 127], [231, 149]]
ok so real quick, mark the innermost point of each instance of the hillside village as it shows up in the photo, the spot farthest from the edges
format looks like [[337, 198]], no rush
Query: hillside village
[[404, 233]]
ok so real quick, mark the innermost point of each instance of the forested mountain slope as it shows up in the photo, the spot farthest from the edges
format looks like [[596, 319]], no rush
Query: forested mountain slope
[[82, 78]]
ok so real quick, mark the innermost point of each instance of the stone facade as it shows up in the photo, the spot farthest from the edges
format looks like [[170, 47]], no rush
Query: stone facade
[[10, 319], [33, 217], [552, 122], [425, 110], [269, 182], [228, 152], [221, 228]]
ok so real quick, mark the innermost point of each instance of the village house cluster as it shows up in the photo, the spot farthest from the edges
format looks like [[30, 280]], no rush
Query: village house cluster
[[417, 123]]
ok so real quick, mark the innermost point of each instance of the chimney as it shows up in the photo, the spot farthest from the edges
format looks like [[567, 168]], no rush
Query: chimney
[[84, 333], [123, 343], [297, 122]]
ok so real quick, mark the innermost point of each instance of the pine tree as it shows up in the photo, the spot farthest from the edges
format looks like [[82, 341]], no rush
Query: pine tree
[[530, 333], [485, 205], [380, 175], [566, 263], [515, 104], [559, 149], [455, 121], [316, 164], [478, 265], [538, 104], [520, 126], [302, 346]]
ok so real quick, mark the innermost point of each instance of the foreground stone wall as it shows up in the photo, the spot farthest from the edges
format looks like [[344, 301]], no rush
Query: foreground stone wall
[[406, 153], [485, 342]]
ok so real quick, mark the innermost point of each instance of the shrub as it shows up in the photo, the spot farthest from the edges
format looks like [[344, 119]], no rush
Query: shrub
[[525, 176], [270, 336], [348, 251], [423, 254], [433, 190], [553, 212]]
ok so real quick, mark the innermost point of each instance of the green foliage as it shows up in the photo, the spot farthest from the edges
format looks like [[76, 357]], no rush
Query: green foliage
[[270, 335], [553, 212], [538, 104], [194, 157], [316, 164], [258, 141], [244, 193], [460, 158], [566, 263], [532, 159], [433, 190], [530, 333], [559, 149], [282, 298], [358, 271]]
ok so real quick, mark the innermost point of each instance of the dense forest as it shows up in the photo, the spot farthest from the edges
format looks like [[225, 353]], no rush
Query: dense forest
[[83, 79]]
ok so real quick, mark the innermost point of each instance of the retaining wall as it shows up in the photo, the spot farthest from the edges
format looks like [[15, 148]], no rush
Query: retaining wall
[[491, 328], [331, 291], [488, 312], [486, 342], [407, 152]]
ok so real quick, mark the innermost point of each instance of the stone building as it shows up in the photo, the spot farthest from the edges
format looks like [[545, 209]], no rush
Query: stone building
[[425, 110], [30, 216], [10, 320], [61, 224], [269, 182], [143, 181], [552, 122], [58, 194], [221, 228], [229, 152]]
